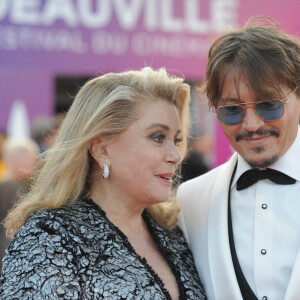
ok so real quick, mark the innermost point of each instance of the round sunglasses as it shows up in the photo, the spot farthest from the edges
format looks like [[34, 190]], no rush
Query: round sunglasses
[[267, 110]]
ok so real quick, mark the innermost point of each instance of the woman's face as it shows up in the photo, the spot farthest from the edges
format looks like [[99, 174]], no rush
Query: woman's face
[[144, 157]]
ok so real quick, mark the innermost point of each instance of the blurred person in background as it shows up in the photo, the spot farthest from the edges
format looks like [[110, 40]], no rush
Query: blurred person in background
[[99, 220], [198, 159], [45, 129], [2, 164], [20, 157], [242, 219]]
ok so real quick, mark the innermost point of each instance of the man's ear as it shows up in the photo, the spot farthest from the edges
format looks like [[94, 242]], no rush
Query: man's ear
[[98, 151]]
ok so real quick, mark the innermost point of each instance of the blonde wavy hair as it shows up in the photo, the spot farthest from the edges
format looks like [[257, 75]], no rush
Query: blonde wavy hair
[[104, 106]]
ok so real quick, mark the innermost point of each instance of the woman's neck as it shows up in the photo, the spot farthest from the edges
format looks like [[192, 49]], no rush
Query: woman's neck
[[124, 213]]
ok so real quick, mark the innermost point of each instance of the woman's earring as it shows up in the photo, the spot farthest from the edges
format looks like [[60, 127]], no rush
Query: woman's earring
[[105, 171]]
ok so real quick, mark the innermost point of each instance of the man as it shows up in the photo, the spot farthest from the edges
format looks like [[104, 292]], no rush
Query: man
[[2, 164], [244, 233], [20, 156]]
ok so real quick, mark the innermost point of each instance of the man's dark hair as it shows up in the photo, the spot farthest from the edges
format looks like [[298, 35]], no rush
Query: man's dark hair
[[261, 52]]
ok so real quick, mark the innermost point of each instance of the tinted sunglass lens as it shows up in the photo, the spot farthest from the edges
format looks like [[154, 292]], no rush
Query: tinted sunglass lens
[[270, 110], [230, 115]]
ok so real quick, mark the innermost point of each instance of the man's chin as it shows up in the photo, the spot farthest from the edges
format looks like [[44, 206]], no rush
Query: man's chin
[[264, 162]]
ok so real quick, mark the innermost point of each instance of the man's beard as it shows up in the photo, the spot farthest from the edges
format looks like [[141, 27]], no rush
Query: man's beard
[[265, 163], [260, 132]]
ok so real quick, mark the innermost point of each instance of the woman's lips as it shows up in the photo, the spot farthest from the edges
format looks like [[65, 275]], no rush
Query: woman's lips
[[165, 178]]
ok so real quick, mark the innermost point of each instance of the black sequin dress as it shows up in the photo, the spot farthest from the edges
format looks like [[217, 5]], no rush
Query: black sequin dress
[[75, 252]]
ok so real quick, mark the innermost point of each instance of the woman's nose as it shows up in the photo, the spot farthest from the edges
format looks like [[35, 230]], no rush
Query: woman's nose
[[173, 154]]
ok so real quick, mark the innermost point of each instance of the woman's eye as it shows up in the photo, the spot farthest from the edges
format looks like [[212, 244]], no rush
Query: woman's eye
[[177, 141], [158, 138]]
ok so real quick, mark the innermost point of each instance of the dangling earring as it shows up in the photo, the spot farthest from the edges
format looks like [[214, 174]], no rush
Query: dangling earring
[[105, 171]]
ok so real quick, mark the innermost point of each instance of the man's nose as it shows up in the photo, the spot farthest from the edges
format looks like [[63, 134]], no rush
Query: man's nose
[[252, 121]]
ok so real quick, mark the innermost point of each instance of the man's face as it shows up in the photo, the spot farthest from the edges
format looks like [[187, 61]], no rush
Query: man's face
[[260, 142]]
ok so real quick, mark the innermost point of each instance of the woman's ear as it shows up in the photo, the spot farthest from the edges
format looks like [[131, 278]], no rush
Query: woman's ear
[[98, 151]]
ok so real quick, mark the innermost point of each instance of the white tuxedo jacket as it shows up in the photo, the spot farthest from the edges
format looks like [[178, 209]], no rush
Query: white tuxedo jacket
[[204, 221]]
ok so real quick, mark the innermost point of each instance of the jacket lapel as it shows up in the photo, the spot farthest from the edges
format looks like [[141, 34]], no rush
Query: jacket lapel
[[293, 289], [220, 262]]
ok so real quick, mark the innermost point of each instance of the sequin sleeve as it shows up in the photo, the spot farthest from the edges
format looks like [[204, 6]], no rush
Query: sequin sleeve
[[40, 263]]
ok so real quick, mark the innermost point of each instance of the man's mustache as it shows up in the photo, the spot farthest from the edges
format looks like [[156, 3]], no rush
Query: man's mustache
[[261, 131]]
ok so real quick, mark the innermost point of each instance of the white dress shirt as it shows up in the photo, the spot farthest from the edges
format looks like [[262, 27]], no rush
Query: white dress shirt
[[266, 226]]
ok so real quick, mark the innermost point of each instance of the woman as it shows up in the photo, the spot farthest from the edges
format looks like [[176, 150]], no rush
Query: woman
[[97, 221]]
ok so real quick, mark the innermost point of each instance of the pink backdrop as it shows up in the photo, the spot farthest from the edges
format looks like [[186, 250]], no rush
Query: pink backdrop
[[41, 39]]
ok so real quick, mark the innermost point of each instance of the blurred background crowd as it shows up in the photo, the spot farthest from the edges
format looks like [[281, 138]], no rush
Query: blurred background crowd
[[18, 159]]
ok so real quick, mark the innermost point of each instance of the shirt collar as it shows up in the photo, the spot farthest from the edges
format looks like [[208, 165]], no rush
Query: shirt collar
[[288, 164]]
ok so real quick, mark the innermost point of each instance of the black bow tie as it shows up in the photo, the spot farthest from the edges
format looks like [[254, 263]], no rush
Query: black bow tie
[[253, 175]]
